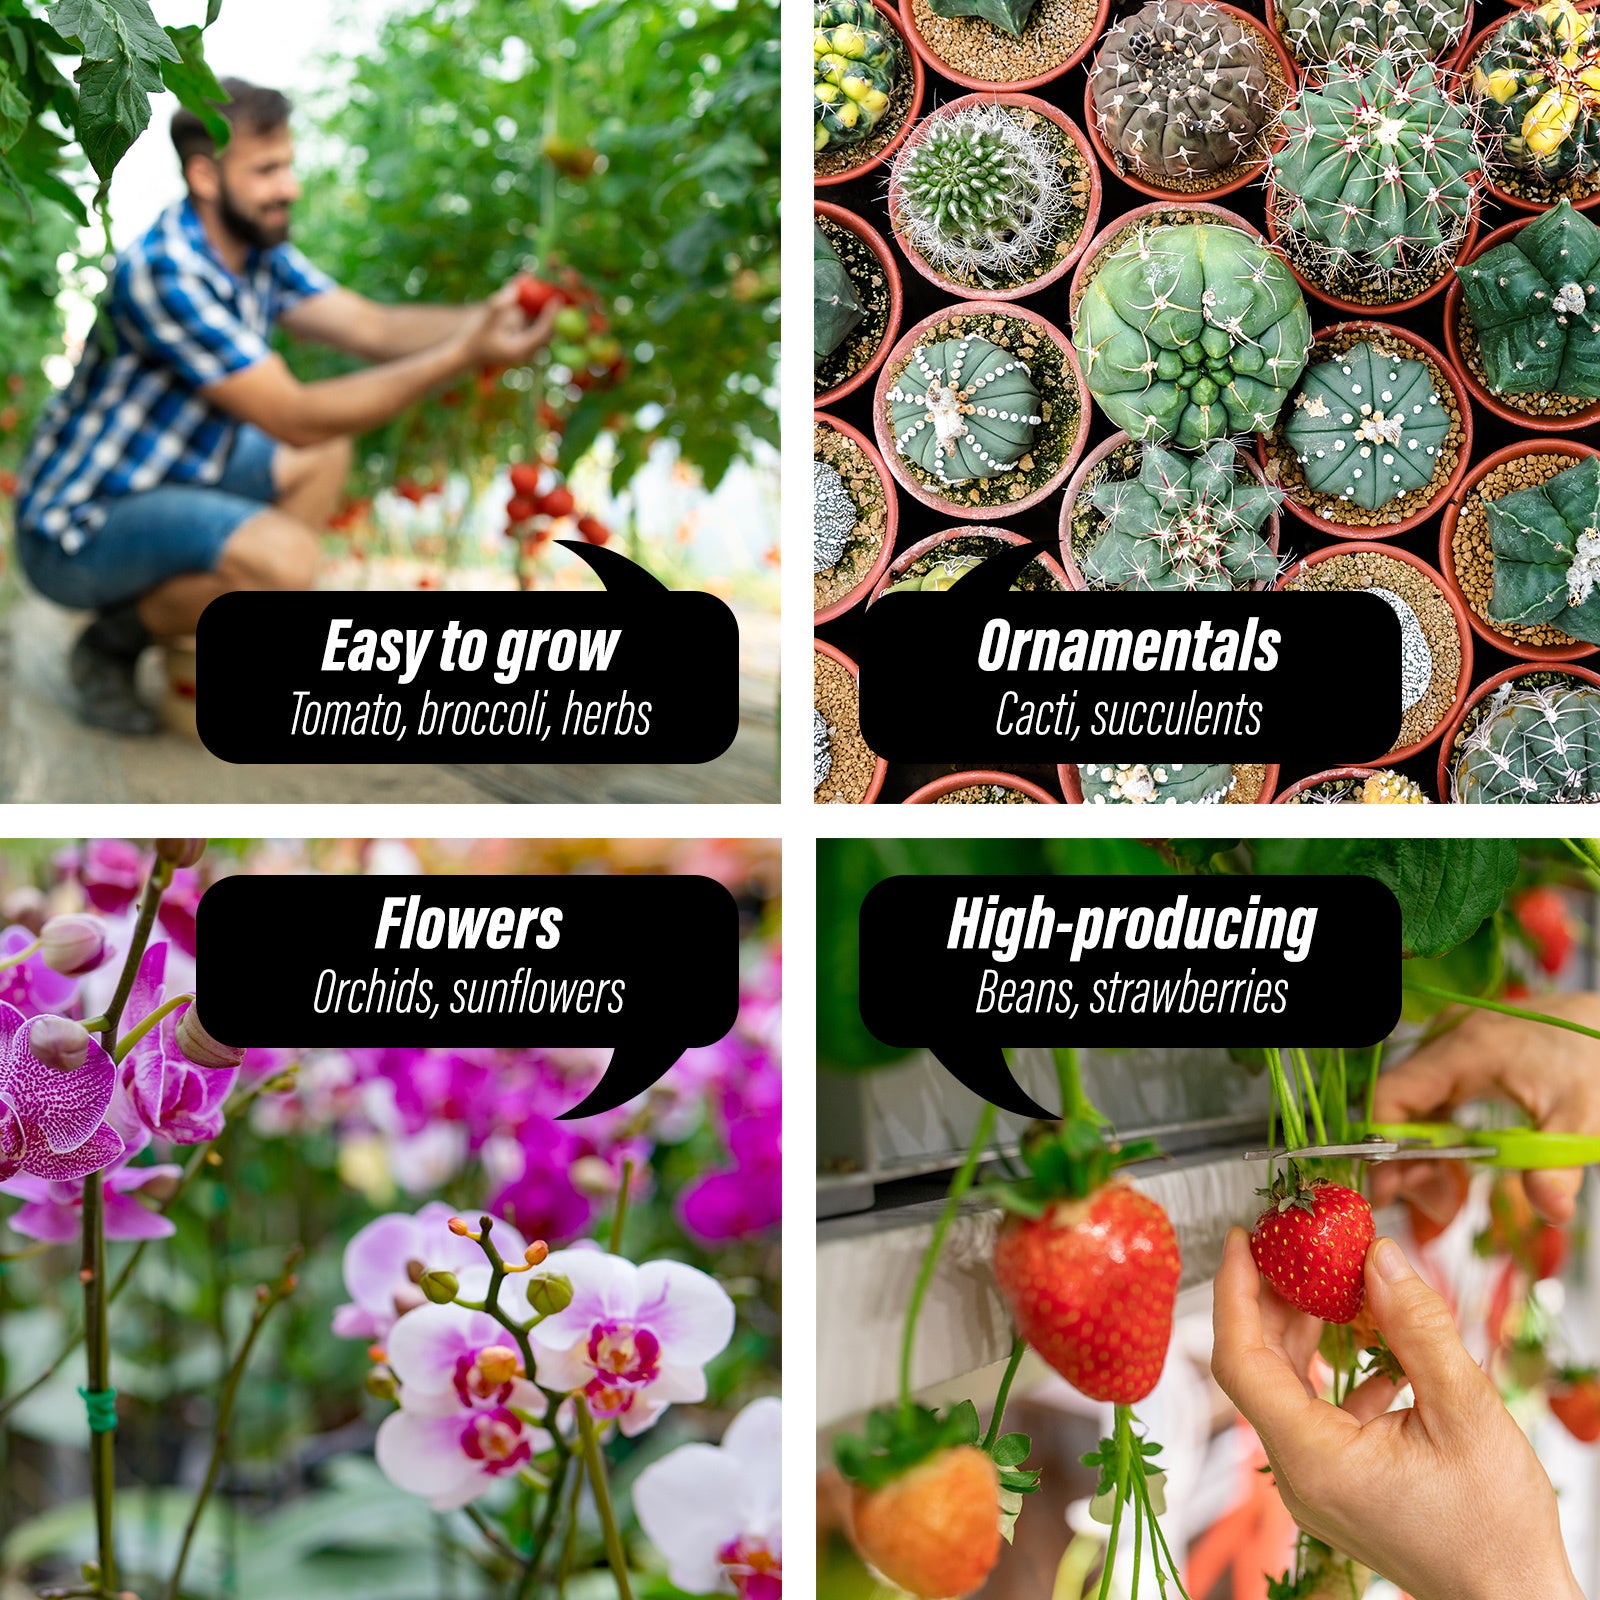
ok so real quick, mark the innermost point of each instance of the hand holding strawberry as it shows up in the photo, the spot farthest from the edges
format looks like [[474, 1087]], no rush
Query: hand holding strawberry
[[1310, 1244]]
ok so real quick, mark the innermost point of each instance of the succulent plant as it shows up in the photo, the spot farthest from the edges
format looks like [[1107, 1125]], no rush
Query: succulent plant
[[834, 516], [1183, 524], [1170, 783], [1546, 544], [1367, 426], [1181, 89], [1319, 32], [1534, 305], [964, 409], [981, 195], [837, 307], [1190, 333], [1378, 165], [856, 63], [1382, 788], [1532, 746], [1010, 16], [821, 749], [1537, 83]]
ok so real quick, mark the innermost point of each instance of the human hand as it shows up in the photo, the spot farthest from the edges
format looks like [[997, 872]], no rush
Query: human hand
[[1446, 1498], [1552, 1074], [502, 336]]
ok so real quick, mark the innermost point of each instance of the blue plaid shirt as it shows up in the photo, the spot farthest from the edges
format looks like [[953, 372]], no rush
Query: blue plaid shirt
[[132, 417]]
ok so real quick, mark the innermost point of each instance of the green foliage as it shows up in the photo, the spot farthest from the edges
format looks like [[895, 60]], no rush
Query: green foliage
[[1546, 543], [896, 1441]]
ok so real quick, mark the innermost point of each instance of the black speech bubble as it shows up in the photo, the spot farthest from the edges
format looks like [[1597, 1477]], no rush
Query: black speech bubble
[[672, 940], [678, 651], [917, 991], [924, 698]]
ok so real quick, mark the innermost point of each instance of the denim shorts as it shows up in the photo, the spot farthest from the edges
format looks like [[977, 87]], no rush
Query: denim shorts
[[156, 534]]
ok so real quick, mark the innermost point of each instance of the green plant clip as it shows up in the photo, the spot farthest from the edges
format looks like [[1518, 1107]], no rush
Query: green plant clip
[[101, 1406]]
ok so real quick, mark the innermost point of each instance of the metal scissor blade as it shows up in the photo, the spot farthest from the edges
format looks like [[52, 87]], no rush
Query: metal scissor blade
[[1366, 1150]]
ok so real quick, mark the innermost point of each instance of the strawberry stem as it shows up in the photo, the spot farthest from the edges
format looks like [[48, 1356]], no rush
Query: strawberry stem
[[1497, 1005], [1372, 1082], [1303, 1062], [1076, 1106], [1019, 1347]]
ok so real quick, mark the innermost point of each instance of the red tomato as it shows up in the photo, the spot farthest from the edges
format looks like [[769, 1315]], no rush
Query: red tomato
[[558, 503]]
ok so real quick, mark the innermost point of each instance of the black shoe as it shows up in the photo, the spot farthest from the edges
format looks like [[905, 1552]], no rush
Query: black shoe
[[103, 664]]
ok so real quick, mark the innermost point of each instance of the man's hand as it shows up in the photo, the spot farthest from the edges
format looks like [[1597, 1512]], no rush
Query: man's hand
[[1446, 1498], [501, 336]]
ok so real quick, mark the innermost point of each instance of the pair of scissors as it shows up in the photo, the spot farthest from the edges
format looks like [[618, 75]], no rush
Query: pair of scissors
[[1524, 1149]]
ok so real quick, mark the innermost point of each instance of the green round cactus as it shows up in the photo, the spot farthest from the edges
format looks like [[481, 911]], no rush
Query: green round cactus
[[1546, 545], [856, 63], [1010, 16], [1532, 746], [836, 308], [1367, 426], [964, 409], [1191, 333], [1156, 783], [1319, 32], [1180, 89]]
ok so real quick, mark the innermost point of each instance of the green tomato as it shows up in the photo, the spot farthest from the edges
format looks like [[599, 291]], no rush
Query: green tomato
[[572, 322]]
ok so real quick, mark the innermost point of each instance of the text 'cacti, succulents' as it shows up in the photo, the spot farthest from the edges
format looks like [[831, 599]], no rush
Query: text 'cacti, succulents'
[[1535, 308], [1532, 746], [1155, 783], [980, 195], [1010, 16], [837, 308], [1368, 426], [1191, 333], [1537, 83], [1546, 544], [1378, 165], [856, 62], [834, 516], [964, 409], [1183, 524], [1319, 32], [1181, 89]]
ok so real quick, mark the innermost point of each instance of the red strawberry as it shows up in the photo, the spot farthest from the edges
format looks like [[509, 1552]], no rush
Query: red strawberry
[[525, 480], [1091, 1285], [595, 531], [935, 1530], [1575, 1403], [1310, 1245], [1538, 1247], [1543, 915], [559, 502]]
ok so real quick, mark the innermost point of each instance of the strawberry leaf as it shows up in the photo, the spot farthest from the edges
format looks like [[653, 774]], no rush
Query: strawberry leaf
[[1011, 1449]]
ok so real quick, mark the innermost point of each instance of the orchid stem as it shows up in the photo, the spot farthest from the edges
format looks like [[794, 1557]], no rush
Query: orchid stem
[[33, 949], [135, 1034], [621, 1216], [541, 1540], [492, 1534], [616, 1557]]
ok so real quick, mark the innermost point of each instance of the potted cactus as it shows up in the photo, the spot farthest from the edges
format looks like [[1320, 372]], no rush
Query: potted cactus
[[1377, 434], [855, 515], [1142, 219], [1373, 195], [844, 771], [1355, 786], [995, 195], [1529, 736], [857, 302], [944, 558], [1535, 78], [1143, 517], [1003, 44], [980, 788], [867, 88], [1522, 321], [1516, 546], [1102, 783], [1189, 334], [1184, 96], [980, 409], [1321, 32]]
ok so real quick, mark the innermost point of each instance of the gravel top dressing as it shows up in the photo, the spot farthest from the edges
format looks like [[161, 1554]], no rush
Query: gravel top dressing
[[830, 163], [1248, 782], [1530, 405], [985, 794], [978, 49], [872, 289], [865, 540], [1349, 277], [852, 763]]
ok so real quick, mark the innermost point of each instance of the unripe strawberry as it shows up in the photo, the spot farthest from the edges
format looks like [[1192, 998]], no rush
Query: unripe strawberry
[[934, 1530]]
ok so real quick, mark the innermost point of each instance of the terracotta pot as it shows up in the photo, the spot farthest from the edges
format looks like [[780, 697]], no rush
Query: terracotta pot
[[930, 792], [1482, 692], [1323, 777], [1071, 781], [1069, 563], [1355, 308], [985, 530], [1463, 64], [1454, 310], [880, 248], [1463, 458], [1308, 73], [1152, 185], [1083, 273], [880, 769], [1392, 758], [921, 46], [1034, 285], [892, 527], [885, 435], [919, 83], [1447, 561]]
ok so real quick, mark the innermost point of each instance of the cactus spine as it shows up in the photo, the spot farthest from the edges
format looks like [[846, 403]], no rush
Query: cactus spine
[[1319, 32], [964, 409], [1533, 746], [855, 66]]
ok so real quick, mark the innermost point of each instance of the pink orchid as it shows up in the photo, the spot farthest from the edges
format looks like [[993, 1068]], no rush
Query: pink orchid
[[31, 986], [112, 873], [178, 906], [464, 1406], [54, 1211], [52, 1123], [716, 1512], [635, 1338]]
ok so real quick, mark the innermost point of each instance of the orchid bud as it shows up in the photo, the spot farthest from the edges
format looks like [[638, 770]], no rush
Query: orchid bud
[[181, 852], [536, 1252], [59, 1043], [439, 1286], [498, 1364], [199, 1047], [74, 945], [592, 1176], [549, 1295], [381, 1384], [25, 907]]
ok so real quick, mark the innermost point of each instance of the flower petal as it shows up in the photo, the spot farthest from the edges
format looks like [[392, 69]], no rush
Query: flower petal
[[426, 1344], [99, 1150], [688, 1504], [689, 1311], [58, 1109], [423, 1456]]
